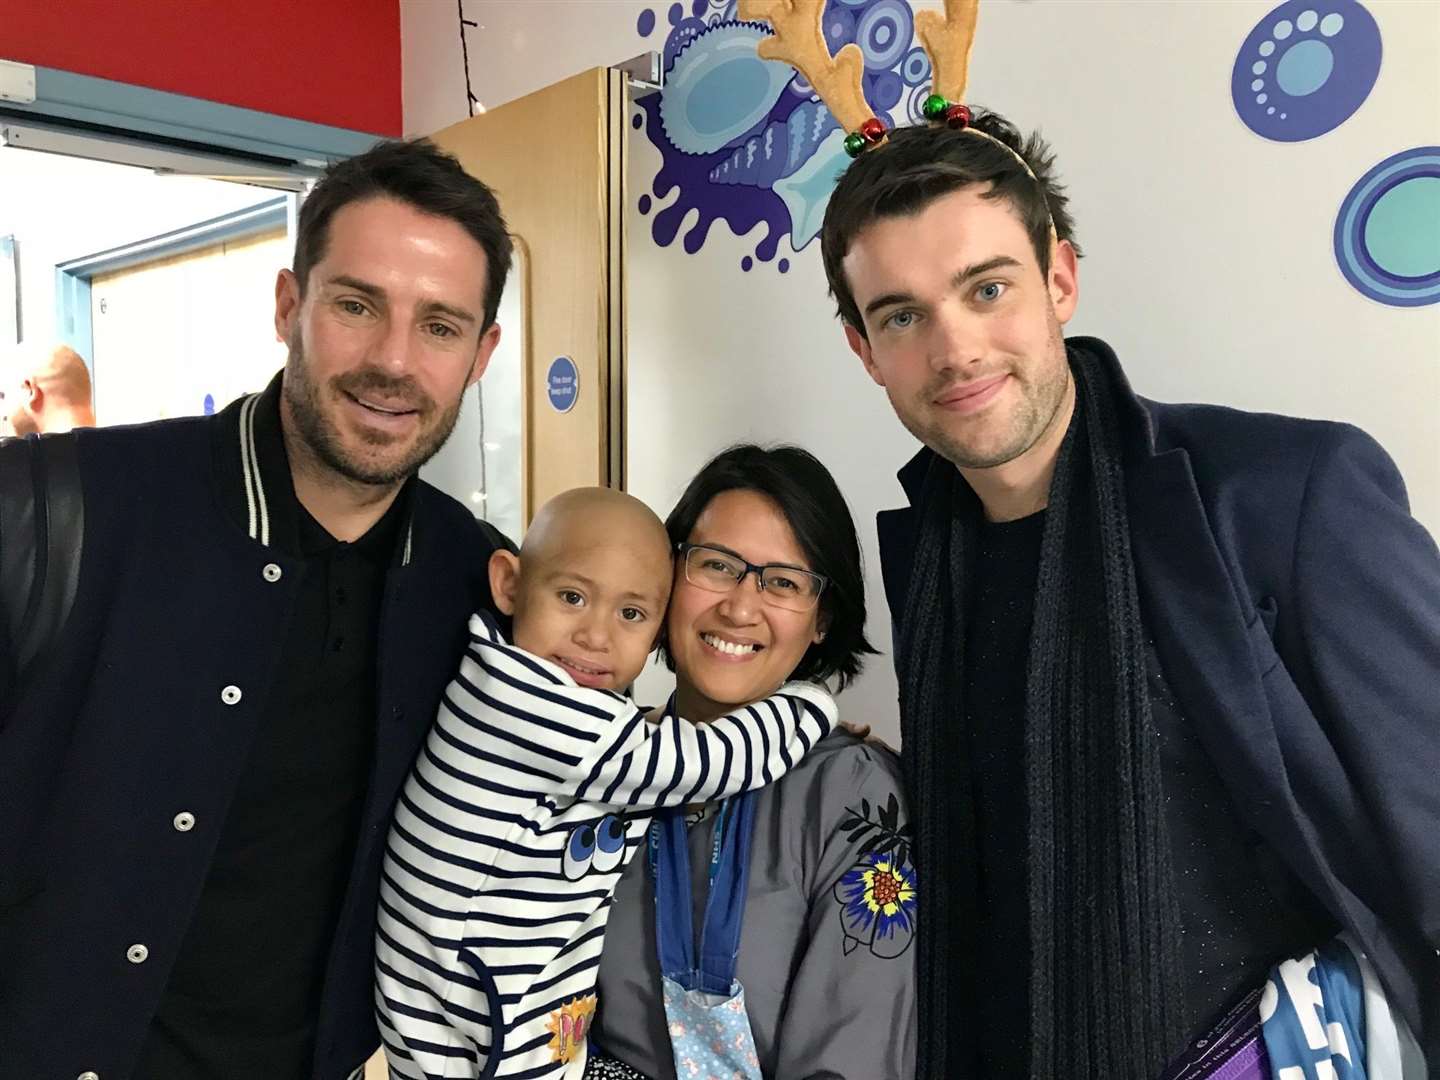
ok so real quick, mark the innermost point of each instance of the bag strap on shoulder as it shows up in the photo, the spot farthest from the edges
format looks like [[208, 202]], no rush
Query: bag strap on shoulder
[[42, 528]]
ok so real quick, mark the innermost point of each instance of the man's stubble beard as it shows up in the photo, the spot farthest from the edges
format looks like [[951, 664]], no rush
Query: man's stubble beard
[[320, 433], [1029, 421]]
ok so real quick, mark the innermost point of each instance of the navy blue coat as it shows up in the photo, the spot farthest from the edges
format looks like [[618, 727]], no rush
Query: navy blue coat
[[1295, 606], [127, 727]]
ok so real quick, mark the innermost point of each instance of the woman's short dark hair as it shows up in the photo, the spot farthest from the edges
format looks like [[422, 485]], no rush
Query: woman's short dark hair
[[811, 503], [923, 162], [417, 172]]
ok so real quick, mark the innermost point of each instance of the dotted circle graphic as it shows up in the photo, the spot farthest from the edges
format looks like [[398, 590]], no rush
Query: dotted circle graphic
[[1305, 68]]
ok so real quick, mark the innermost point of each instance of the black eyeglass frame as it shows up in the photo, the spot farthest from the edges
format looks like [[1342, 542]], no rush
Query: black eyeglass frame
[[683, 549]]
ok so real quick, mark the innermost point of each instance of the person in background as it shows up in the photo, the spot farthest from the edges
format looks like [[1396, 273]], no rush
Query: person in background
[[51, 393]]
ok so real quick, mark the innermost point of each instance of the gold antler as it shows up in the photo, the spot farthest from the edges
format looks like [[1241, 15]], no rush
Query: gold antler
[[800, 42], [948, 39]]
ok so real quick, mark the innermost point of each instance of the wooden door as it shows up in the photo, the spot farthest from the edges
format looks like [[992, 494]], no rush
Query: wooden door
[[556, 161]]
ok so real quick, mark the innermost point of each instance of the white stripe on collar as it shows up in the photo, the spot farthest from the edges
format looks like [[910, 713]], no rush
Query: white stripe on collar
[[250, 467], [255, 486]]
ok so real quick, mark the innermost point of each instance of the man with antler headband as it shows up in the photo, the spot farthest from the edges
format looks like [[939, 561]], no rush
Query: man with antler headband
[[1168, 673]]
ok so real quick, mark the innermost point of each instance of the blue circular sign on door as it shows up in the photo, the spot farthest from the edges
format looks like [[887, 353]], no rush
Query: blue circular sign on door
[[562, 384]]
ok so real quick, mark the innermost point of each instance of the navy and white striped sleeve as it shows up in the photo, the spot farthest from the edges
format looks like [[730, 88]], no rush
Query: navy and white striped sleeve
[[675, 762], [518, 713]]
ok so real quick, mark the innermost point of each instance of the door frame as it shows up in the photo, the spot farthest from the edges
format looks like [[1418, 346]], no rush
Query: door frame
[[139, 116], [128, 122], [73, 277]]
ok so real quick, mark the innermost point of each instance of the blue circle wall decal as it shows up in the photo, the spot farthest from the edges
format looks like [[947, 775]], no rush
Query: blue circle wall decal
[[1305, 68], [1387, 234]]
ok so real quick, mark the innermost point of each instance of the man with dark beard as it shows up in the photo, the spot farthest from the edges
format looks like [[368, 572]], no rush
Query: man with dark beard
[[1169, 674], [198, 764]]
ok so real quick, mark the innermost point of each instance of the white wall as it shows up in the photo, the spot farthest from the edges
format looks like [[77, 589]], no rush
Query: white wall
[[62, 208], [519, 46], [1208, 266]]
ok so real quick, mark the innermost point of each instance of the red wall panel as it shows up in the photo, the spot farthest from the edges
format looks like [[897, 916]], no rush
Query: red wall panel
[[329, 61]]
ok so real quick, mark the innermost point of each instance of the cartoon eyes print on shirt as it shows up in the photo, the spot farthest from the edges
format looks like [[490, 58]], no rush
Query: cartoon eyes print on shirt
[[599, 846]]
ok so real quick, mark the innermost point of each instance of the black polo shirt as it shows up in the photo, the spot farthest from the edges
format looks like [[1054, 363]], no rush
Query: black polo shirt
[[243, 997]]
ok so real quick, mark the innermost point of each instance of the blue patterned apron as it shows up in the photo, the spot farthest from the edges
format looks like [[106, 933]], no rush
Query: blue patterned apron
[[705, 1013]]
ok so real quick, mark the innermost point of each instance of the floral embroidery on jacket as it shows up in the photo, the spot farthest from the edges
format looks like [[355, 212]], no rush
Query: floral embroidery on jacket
[[878, 895]]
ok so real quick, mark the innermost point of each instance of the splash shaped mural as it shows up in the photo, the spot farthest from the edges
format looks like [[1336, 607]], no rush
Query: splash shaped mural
[[745, 140], [1305, 68]]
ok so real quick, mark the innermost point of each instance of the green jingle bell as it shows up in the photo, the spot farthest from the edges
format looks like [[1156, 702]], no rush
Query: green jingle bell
[[934, 107], [855, 143]]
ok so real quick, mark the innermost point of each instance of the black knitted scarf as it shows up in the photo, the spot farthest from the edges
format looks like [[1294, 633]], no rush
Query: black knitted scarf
[[1105, 997]]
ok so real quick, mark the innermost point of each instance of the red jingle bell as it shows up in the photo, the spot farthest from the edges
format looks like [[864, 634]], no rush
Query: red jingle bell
[[958, 116], [873, 129]]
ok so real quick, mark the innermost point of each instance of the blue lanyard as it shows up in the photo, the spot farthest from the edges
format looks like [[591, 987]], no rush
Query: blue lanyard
[[729, 876], [655, 839]]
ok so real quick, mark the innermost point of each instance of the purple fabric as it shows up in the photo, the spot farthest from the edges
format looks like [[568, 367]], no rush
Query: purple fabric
[[1232, 1050]]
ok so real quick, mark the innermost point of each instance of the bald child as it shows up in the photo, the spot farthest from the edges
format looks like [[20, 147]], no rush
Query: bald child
[[589, 588], [536, 786]]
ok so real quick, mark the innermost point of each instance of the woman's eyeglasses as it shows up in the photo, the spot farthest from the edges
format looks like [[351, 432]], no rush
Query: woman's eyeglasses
[[785, 587]]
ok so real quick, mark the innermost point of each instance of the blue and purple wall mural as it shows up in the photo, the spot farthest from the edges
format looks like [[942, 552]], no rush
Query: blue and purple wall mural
[[1305, 69], [745, 140], [1387, 234]]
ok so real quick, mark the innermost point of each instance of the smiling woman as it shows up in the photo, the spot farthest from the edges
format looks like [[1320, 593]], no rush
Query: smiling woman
[[768, 588]]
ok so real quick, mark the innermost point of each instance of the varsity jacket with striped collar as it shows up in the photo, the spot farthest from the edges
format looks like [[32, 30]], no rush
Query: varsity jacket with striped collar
[[143, 716]]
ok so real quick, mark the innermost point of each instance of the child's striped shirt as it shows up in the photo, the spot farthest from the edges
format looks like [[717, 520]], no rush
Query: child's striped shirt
[[527, 801]]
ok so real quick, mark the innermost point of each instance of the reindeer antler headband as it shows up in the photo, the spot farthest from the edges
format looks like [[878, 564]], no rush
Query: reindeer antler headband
[[800, 42]]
